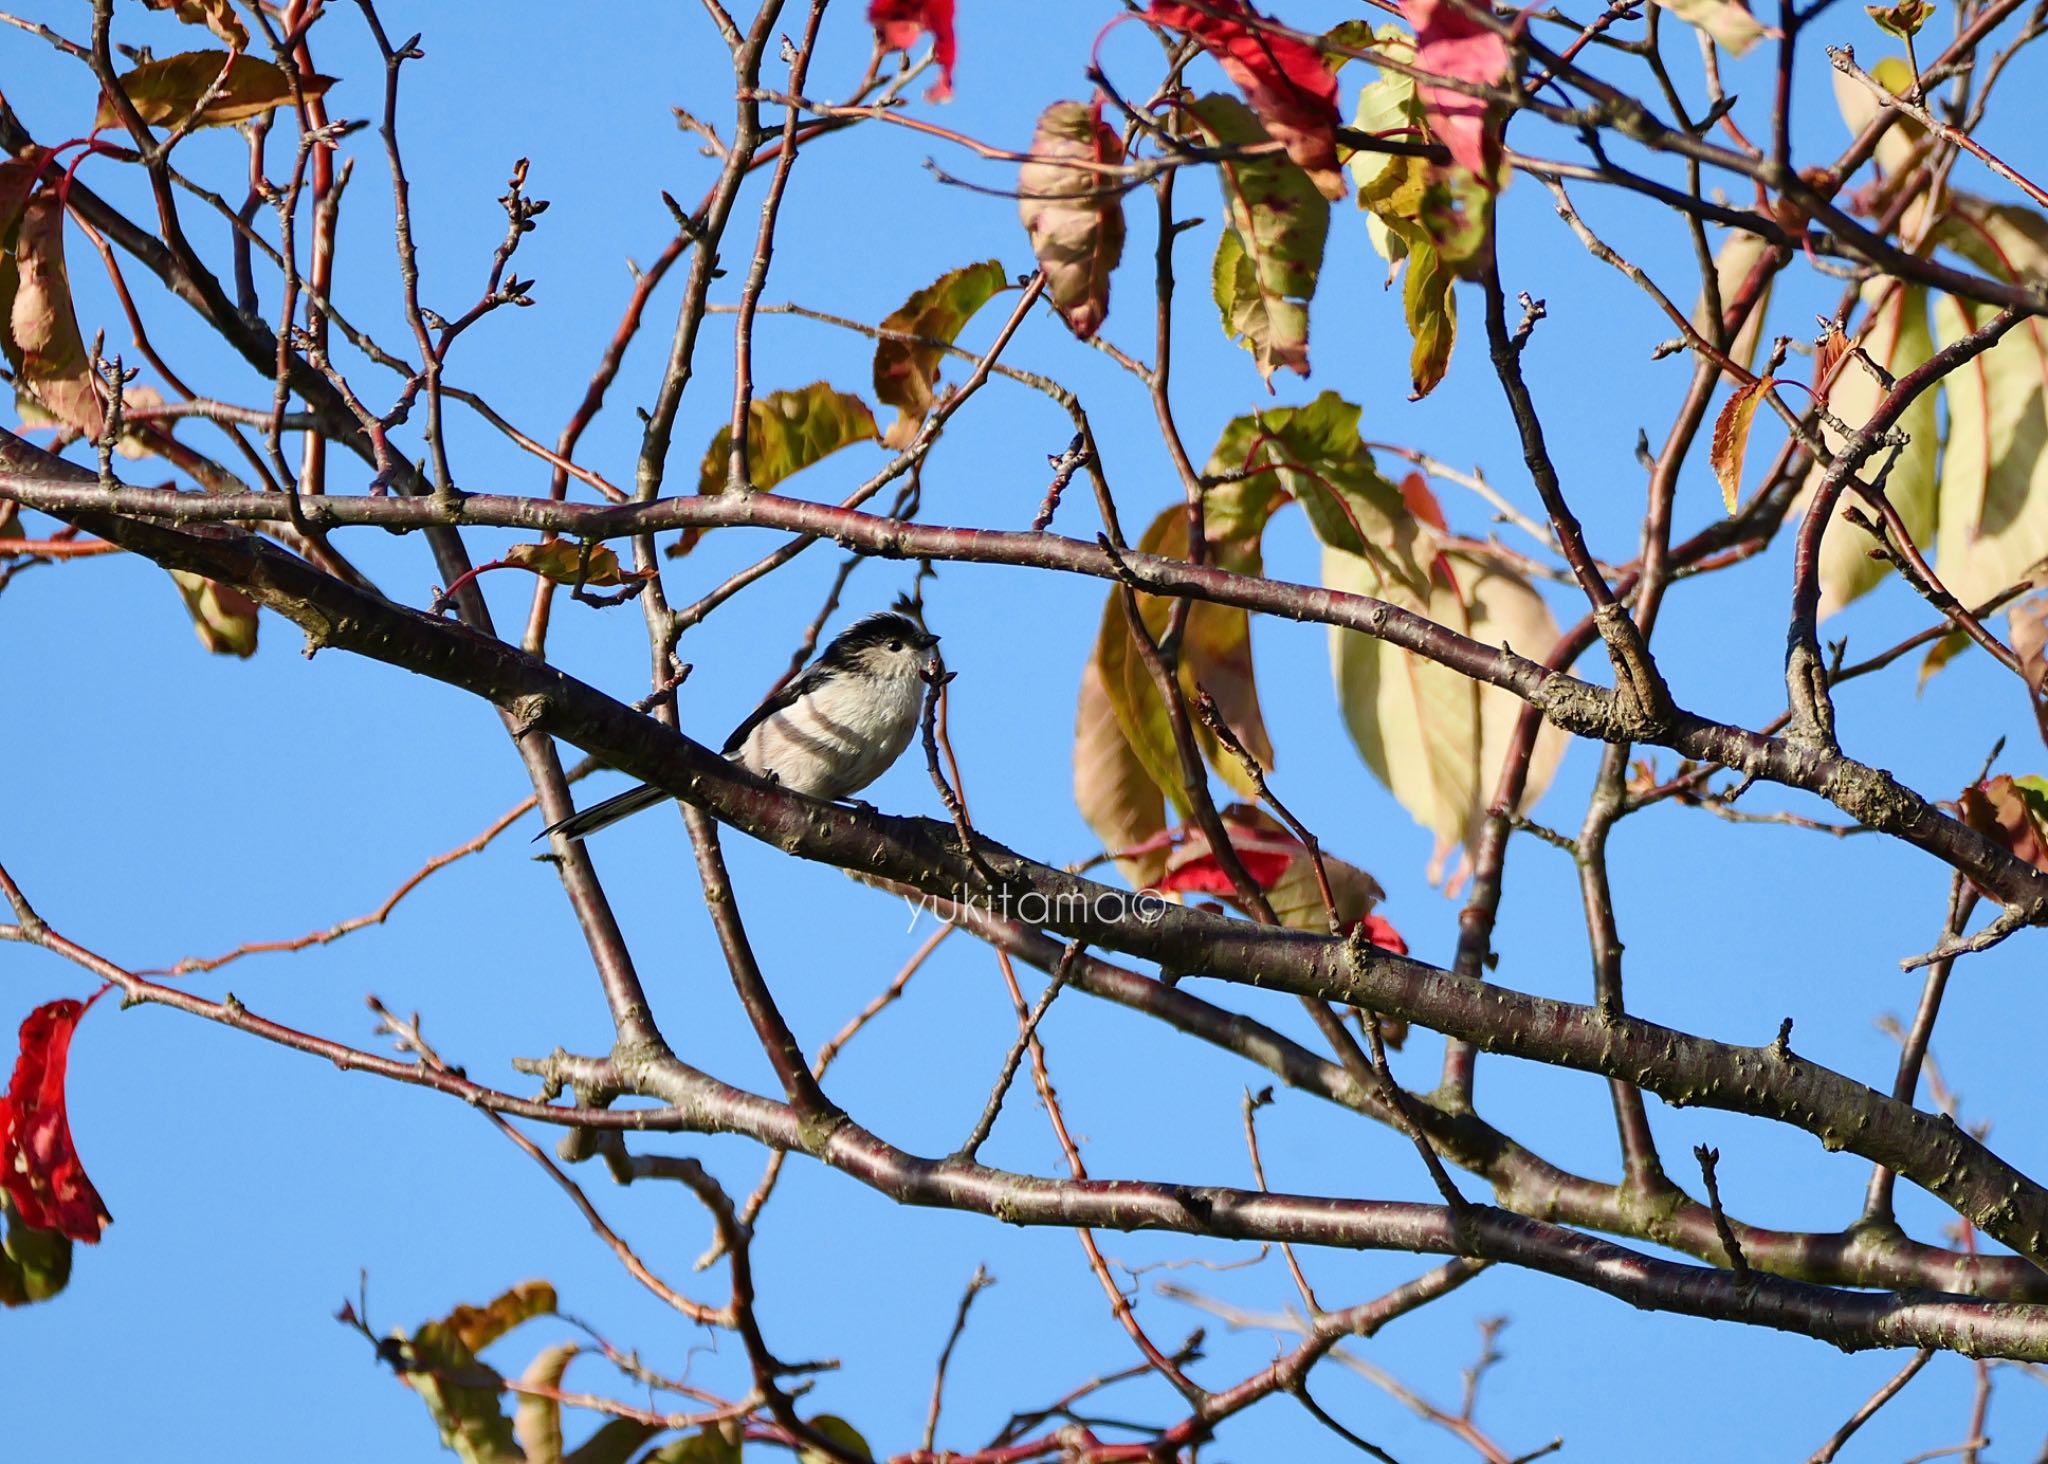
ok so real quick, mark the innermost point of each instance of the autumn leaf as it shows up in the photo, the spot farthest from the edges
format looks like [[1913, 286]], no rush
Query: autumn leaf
[[1731, 436], [166, 92], [898, 24], [1452, 42], [468, 1413], [1727, 22], [222, 616], [1734, 262], [1074, 214], [537, 1415], [2012, 813], [906, 371], [1944, 650], [2027, 627], [42, 342], [1895, 335], [1285, 80], [217, 16], [1859, 108], [1993, 519], [787, 431], [1436, 739], [1903, 19], [1116, 796], [39, 1167], [1278, 863], [1215, 656], [565, 562], [1432, 312], [1381, 933], [1272, 246], [1314, 454]]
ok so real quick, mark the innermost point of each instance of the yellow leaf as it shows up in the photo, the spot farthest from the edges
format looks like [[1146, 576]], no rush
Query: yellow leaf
[[223, 617], [564, 562], [166, 92]]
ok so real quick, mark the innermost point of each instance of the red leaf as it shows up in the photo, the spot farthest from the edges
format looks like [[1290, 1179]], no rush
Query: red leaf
[[1265, 854], [38, 1167], [1293, 93], [1383, 935], [1450, 42], [898, 23]]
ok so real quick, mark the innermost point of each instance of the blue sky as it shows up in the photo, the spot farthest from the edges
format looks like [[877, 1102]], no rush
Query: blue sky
[[164, 803]]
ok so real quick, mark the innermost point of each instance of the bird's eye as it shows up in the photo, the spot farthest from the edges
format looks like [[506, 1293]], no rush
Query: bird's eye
[[895, 645]]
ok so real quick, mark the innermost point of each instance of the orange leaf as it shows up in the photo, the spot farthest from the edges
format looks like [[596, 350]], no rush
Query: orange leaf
[[1731, 436]]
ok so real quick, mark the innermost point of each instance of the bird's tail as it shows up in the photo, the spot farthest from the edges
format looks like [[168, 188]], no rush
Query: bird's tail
[[603, 815]]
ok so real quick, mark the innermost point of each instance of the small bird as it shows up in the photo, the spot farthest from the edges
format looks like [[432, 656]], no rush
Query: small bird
[[832, 730]]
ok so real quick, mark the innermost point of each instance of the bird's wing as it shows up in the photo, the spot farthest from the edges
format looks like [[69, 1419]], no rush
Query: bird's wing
[[798, 687]]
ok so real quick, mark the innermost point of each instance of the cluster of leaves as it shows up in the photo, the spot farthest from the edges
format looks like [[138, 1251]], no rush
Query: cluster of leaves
[[1968, 467], [464, 1394], [1435, 738]]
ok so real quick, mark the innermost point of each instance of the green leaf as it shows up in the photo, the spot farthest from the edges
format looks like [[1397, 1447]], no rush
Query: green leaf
[[1315, 455], [1432, 312], [1993, 519], [1436, 739], [615, 1441], [222, 616], [165, 92], [905, 372], [460, 1392], [1387, 108], [1074, 214], [1897, 338], [1731, 437], [1727, 22], [787, 431], [840, 1432], [712, 1446], [43, 343], [1271, 248], [34, 1264]]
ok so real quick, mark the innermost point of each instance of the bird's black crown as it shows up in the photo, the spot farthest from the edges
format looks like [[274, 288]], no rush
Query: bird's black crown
[[877, 630]]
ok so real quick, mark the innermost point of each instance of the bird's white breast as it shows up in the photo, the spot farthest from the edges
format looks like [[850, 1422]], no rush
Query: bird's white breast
[[837, 739]]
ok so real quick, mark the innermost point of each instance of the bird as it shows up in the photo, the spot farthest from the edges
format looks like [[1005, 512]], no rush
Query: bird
[[834, 728]]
